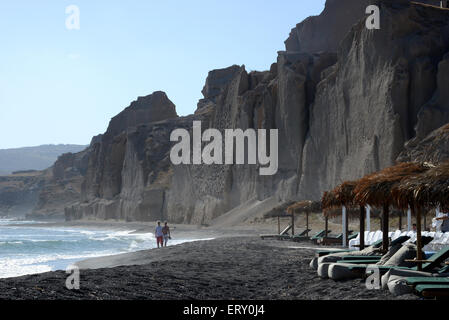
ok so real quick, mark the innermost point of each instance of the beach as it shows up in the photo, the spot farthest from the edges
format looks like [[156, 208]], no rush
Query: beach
[[230, 267]]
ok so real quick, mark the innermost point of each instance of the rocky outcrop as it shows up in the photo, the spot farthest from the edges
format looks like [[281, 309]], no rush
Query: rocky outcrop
[[345, 100], [19, 193], [368, 106], [61, 186], [128, 169]]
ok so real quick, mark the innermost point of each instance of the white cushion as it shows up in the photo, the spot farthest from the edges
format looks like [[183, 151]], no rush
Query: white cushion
[[340, 271], [323, 270]]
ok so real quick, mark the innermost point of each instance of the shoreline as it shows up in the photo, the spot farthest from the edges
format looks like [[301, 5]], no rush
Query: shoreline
[[242, 268], [184, 233]]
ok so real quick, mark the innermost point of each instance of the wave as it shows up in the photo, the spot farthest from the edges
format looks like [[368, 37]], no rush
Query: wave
[[32, 249]]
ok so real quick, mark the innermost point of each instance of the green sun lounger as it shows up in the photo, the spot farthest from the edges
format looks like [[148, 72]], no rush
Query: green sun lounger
[[432, 290], [320, 235], [361, 258], [435, 261], [371, 259], [353, 236], [322, 253], [365, 261], [414, 281]]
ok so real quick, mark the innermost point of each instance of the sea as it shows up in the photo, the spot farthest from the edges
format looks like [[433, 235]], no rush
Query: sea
[[26, 248]]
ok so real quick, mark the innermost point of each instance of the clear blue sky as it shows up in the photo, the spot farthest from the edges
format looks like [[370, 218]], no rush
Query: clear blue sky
[[61, 86]]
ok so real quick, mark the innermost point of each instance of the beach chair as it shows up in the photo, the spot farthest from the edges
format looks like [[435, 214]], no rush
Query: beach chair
[[301, 236], [353, 236], [414, 281], [280, 236], [372, 259], [331, 240], [322, 253], [432, 290], [433, 262], [320, 235], [436, 278]]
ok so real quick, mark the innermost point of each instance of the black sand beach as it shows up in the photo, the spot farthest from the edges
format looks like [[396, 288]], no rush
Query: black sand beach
[[243, 268]]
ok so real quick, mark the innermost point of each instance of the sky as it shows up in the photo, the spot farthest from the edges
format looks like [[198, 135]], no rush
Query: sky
[[60, 85]]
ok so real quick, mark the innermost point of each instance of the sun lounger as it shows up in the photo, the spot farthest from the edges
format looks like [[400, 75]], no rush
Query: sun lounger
[[353, 236], [320, 235], [327, 259], [360, 261], [286, 237], [396, 258], [432, 290], [322, 253], [414, 281], [434, 261], [277, 236], [302, 236], [371, 259]]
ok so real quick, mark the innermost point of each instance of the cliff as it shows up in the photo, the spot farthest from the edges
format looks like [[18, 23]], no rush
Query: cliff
[[19, 193], [347, 101], [129, 168]]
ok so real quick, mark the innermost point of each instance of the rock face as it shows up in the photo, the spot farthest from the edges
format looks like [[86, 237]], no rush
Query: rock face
[[44, 194], [19, 193], [128, 169], [346, 101], [369, 105], [61, 185]]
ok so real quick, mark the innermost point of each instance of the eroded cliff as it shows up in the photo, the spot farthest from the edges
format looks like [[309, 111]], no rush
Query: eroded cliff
[[346, 100]]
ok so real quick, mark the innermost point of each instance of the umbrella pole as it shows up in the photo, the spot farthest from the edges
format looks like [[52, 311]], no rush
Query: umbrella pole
[[425, 221], [279, 225], [368, 218], [326, 227], [307, 222], [409, 220], [293, 223], [400, 220], [385, 229], [344, 227], [347, 229], [419, 238], [362, 227]]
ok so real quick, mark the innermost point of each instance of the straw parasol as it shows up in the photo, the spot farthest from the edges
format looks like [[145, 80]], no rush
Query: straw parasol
[[305, 207], [329, 200], [376, 189], [428, 189]]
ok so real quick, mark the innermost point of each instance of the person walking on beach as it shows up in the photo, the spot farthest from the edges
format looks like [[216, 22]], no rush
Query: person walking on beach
[[166, 232], [159, 235]]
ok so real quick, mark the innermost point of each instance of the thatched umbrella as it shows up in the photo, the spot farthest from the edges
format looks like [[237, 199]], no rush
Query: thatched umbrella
[[343, 195], [376, 190], [428, 189], [306, 207], [279, 212]]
